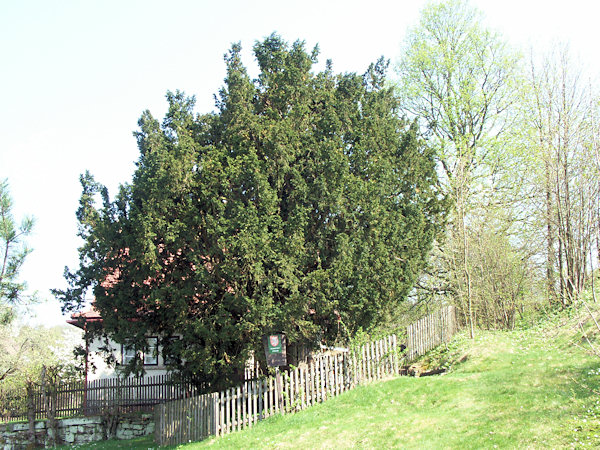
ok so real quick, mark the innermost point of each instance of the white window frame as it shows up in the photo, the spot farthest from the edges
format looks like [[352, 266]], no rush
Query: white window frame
[[127, 354], [151, 356]]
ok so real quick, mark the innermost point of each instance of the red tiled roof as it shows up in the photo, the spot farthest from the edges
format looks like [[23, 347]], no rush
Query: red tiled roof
[[90, 315], [111, 279]]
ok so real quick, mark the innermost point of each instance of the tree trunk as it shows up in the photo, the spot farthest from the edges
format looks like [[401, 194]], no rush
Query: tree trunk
[[465, 245], [31, 412], [49, 393], [551, 257]]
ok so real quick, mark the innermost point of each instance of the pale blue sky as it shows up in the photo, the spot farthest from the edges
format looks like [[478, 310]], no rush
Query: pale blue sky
[[76, 75]]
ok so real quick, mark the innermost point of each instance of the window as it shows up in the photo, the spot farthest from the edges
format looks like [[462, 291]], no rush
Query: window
[[128, 354], [151, 355]]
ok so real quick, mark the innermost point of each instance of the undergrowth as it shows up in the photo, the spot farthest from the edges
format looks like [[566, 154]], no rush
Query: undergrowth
[[447, 356]]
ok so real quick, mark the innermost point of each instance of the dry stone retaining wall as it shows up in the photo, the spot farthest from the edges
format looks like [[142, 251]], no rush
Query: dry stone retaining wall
[[76, 430]]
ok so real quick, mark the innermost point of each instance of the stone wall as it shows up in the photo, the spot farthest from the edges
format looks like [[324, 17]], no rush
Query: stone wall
[[76, 430]]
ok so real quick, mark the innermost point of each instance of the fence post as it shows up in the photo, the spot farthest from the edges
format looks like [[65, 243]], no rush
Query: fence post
[[395, 354], [278, 390], [249, 410], [345, 371], [31, 412], [216, 413], [244, 403], [158, 431], [313, 383], [379, 359], [221, 412], [238, 407]]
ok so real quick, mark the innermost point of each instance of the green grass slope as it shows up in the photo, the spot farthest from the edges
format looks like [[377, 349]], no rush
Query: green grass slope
[[528, 389], [537, 388]]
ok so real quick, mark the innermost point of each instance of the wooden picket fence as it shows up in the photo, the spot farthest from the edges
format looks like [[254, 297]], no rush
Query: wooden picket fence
[[430, 331], [78, 398], [134, 394], [327, 376]]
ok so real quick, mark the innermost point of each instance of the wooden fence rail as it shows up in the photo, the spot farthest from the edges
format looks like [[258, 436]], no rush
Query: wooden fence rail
[[329, 375], [77, 398]]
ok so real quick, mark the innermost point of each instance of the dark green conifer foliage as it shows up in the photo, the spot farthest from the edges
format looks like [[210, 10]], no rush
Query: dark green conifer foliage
[[303, 205]]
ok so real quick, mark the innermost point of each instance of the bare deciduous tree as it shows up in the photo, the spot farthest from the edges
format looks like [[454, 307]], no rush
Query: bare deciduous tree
[[563, 108]]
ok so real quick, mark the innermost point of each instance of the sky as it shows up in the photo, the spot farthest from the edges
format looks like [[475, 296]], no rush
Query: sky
[[75, 77]]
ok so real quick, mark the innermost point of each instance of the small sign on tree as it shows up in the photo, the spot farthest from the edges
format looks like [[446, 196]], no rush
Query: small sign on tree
[[275, 350]]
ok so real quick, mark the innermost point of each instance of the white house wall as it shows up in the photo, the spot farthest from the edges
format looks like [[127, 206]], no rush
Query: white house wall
[[104, 370]]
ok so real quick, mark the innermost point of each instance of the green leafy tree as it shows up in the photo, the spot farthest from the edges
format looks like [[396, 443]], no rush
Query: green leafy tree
[[26, 353], [303, 205], [460, 80], [24, 350], [13, 252]]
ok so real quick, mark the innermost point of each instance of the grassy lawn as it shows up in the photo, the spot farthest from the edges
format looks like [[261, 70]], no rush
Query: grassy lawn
[[536, 388], [142, 443], [525, 389]]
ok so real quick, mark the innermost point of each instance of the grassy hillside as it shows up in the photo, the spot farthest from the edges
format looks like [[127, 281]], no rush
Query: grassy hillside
[[536, 388]]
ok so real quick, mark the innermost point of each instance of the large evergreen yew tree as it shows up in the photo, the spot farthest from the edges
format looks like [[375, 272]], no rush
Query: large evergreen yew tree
[[303, 205]]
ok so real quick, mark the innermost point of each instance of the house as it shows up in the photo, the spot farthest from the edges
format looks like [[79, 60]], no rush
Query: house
[[97, 368], [155, 361]]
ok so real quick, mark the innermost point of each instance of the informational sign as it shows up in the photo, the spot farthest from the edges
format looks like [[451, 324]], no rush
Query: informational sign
[[275, 346]]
